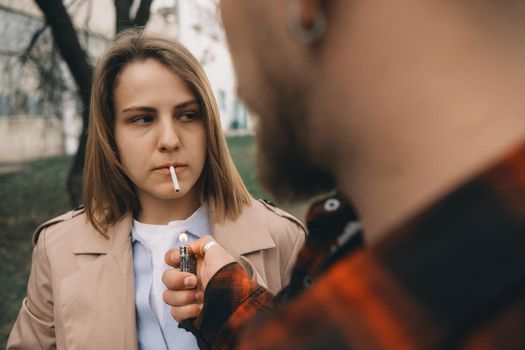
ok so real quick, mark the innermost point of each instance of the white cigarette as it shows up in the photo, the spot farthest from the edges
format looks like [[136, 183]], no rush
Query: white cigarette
[[174, 179]]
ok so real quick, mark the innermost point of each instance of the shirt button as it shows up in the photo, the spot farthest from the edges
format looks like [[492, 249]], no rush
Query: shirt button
[[183, 237], [307, 281], [332, 204]]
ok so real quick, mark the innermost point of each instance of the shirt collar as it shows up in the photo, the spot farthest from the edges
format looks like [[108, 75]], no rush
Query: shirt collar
[[197, 223]]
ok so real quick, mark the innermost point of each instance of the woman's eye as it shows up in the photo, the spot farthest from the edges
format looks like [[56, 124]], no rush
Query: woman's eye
[[189, 116], [145, 119]]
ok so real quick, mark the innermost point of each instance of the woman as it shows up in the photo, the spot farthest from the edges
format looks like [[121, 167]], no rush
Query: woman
[[96, 273]]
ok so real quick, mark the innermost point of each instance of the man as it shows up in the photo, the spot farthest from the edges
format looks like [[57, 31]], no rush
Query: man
[[414, 110]]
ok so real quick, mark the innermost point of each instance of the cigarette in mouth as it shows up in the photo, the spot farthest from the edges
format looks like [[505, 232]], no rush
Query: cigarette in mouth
[[174, 179]]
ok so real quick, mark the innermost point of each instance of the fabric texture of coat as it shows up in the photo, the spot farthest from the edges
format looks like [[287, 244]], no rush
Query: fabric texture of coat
[[81, 288]]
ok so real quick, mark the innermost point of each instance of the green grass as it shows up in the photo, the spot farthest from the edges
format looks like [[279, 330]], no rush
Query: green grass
[[242, 150], [37, 193], [29, 197]]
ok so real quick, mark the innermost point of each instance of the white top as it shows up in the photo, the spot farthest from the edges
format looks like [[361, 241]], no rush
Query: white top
[[160, 238]]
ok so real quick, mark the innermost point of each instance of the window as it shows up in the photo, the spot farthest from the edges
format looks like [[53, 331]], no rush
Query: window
[[5, 105], [222, 100]]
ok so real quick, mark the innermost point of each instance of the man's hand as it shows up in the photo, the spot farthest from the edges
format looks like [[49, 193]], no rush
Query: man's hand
[[185, 291]]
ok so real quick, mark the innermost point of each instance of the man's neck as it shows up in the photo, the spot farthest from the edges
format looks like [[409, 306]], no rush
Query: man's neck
[[389, 196]]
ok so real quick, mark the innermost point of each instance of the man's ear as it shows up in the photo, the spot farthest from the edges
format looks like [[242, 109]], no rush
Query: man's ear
[[308, 10], [307, 20]]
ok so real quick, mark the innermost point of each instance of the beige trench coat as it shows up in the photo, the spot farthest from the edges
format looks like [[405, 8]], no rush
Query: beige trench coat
[[81, 288]]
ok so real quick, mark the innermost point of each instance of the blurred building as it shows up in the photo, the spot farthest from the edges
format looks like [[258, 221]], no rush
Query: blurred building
[[39, 110], [196, 24]]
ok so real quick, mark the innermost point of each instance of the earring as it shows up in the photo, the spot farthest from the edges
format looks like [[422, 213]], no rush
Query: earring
[[306, 35]]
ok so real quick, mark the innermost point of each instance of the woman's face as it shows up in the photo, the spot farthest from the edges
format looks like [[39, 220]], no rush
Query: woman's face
[[158, 123]]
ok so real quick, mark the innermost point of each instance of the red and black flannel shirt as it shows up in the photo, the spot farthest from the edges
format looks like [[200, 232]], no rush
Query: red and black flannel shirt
[[452, 278]]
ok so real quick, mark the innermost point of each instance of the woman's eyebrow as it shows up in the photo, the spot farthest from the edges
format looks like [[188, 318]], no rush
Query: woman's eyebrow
[[139, 109], [186, 104], [151, 109]]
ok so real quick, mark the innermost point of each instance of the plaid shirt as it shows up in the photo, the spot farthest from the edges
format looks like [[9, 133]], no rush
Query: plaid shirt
[[453, 277]]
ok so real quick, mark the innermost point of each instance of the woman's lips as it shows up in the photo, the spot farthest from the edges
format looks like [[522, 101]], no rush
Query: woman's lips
[[166, 171]]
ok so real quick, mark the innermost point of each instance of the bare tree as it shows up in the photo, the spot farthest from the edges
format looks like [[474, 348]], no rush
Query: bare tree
[[68, 44], [32, 74]]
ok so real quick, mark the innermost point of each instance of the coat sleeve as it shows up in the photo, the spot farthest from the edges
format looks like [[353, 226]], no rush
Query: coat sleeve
[[34, 327], [289, 234], [300, 237]]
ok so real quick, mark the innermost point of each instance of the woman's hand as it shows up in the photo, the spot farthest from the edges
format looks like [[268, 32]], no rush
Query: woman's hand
[[185, 291]]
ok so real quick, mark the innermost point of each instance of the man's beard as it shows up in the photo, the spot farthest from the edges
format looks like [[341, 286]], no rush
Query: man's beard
[[286, 169]]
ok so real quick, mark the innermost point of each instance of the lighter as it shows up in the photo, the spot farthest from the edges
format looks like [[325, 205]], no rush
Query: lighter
[[187, 260]]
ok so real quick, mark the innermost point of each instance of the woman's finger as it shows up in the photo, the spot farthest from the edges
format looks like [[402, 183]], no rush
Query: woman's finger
[[181, 297], [175, 279], [172, 257], [198, 245], [181, 313]]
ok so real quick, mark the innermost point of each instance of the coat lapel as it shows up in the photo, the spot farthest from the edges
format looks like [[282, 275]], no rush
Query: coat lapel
[[247, 234], [246, 238], [98, 301]]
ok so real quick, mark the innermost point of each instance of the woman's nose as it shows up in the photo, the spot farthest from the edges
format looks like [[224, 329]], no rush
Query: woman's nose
[[168, 136]]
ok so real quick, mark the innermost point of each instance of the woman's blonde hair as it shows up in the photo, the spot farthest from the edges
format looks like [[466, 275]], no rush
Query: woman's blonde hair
[[108, 194]]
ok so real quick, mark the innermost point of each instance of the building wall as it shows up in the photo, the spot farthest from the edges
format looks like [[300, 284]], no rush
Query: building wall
[[197, 26], [26, 134], [26, 131], [30, 137]]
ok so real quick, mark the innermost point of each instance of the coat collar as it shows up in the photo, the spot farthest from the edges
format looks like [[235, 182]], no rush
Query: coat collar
[[248, 233], [98, 301], [90, 241], [114, 270]]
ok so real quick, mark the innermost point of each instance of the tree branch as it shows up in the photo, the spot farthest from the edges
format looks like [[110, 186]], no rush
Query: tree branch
[[32, 42], [66, 39], [69, 46], [123, 19], [143, 12]]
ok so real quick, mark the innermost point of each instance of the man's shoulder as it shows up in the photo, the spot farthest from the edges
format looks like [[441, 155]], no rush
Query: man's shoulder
[[68, 221]]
